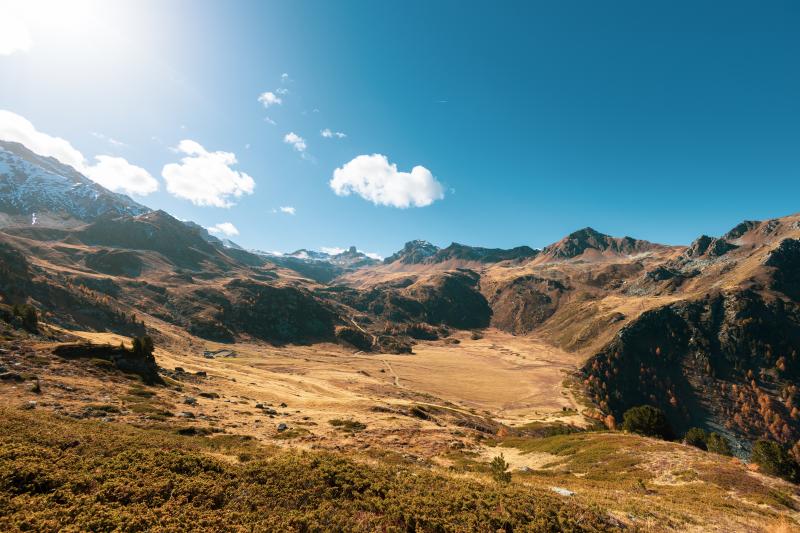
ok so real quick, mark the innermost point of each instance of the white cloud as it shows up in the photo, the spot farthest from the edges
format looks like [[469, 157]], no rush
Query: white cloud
[[205, 178], [373, 178], [283, 91], [336, 250], [269, 98], [328, 134], [110, 140], [270, 121], [224, 228], [116, 174], [113, 173], [332, 250], [16, 128], [14, 34], [285, 78], [289, 210], [296, 141]]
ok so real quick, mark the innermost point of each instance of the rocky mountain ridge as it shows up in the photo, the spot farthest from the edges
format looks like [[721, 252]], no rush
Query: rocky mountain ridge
[[33, 186], [709, 332]]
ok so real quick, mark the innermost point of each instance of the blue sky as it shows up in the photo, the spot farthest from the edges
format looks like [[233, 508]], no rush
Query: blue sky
[[661, 120]]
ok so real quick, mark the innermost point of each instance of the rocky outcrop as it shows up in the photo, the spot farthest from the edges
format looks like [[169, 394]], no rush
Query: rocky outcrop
[[727, 362], [785, 259], [122, 358], [740, 229], [587, 239], [709, 247], [414, 252]]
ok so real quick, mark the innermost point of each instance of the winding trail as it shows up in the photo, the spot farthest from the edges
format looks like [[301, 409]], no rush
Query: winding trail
[[394, 374]]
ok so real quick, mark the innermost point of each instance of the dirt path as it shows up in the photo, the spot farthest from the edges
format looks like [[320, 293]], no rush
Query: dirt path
[[394, 375]]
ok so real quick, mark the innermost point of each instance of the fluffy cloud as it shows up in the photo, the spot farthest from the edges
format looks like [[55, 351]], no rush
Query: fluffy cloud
[[289, 210], [283, 91], [15, 128], [296, 141], [116, 174], [332, 250], [14, 35], [224, 228], [373, 178], [269, 98], [335, 250], [285, 77], [113, 173], [328, 134], [206, 178]]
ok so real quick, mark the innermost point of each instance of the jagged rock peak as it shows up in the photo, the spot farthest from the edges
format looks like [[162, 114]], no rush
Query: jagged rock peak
[[416, 251]]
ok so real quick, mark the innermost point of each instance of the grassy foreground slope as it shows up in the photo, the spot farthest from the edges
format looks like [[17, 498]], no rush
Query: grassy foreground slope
[[66, 475]]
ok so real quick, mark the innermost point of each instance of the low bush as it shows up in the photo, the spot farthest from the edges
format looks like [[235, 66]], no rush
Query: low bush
[[95, 476], [348, 425], [499, 468], [647, 420], [696, 437], [716, 443], [774, 459]]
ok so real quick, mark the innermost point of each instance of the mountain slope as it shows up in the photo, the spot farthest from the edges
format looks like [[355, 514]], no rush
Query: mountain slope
[[35, 188], [589, 241]]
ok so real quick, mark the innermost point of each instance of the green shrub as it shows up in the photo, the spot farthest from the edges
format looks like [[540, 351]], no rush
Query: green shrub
[[143, 346], [696, 437], [348, 425], [499, 468], [27, 313], [773, 459], [716, 443], [58, 473], [647, 420]]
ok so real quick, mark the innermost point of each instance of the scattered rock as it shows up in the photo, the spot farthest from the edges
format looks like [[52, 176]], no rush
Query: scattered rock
[[211, 395], [283, 405], [190, 401], [201, 374], [12, 376], [282, 427], [29, 405], [186, 414], [562, 491]]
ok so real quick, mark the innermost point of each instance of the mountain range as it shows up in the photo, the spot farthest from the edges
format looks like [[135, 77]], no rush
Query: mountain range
[[708, 332]]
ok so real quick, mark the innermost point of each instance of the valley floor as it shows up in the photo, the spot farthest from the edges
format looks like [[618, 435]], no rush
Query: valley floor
[[445, 411]]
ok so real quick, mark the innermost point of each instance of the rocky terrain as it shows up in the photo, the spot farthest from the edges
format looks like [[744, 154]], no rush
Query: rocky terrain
[[443, 354], [35, 188]]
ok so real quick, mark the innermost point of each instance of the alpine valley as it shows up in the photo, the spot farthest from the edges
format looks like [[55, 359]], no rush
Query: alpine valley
[[153, 375]]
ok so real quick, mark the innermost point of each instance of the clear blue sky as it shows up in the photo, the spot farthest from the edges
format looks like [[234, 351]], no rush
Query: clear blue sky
[[661, 120]]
